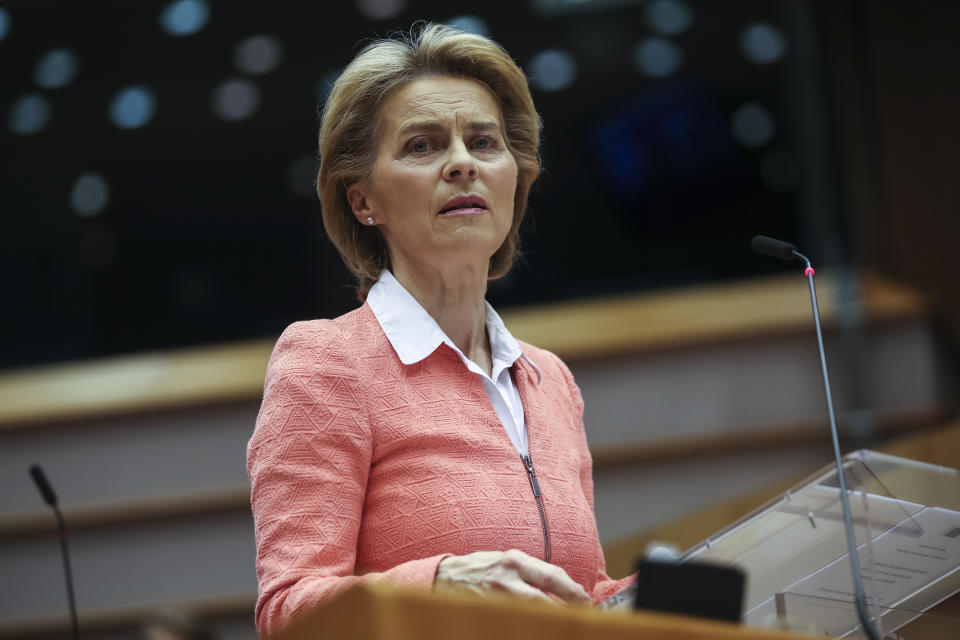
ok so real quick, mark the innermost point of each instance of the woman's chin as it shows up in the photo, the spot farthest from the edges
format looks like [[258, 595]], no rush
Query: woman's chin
[[465, 247]]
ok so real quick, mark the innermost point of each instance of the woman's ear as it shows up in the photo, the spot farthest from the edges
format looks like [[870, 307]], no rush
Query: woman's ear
[[356, 196]]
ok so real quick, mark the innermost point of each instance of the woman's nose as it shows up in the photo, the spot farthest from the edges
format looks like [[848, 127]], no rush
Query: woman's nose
[[461, 165]]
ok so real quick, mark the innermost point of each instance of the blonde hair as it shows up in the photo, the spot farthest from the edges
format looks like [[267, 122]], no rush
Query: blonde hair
[[349, 132]]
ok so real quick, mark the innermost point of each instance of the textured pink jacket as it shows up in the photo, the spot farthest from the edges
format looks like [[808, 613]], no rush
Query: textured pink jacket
[[366, 469]]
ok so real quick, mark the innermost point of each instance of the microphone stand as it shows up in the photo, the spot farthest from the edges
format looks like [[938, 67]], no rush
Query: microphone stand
[[787, 252], [69, 574], [859, 595], [50, 497]]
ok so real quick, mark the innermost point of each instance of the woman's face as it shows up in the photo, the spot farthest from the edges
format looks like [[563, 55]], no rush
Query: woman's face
[[443, 182]]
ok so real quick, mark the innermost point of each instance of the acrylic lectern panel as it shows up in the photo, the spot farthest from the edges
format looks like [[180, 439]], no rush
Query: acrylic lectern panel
[[835, 618], [906, 517]]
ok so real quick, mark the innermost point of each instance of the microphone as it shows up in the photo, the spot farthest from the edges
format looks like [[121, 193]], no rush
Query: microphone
[[788, 252], [43, 485], [46, 490], [773, 248]]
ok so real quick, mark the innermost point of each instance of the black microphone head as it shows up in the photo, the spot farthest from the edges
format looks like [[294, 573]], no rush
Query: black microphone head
[[43, 485], [773, 248]]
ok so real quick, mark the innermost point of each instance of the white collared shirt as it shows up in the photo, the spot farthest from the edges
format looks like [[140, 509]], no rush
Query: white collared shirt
[[414, 335]]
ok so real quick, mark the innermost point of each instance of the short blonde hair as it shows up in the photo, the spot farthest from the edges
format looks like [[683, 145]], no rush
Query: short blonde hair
[[349, 132]]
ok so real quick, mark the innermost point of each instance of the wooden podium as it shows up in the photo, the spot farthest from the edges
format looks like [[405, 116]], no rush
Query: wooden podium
[[379, 612]]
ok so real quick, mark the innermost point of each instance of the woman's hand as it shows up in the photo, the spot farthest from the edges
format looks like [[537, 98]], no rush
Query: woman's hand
[[511, 572]]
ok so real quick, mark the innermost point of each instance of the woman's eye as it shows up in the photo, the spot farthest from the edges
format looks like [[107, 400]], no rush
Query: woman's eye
[[420, 146], [483, 143]]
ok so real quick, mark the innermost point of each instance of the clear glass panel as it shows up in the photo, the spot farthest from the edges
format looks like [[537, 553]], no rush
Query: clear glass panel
[[906, 518]]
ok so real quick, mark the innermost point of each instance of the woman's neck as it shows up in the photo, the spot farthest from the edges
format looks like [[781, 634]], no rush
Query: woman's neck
[[456, 301]]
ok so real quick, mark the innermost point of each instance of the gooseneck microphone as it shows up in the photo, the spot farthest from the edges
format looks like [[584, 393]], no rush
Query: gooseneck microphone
[[788, 252], [43, 485], [775, 248]]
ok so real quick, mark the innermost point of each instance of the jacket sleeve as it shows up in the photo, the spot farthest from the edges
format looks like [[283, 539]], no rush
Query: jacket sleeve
[[605, 586], [308, 462]]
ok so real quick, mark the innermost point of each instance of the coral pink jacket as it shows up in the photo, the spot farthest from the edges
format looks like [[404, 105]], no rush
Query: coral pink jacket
[[365, 469]]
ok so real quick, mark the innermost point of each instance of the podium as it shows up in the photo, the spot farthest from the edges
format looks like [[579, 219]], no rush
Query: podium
[[381, 612], [906, 517], [907, 520]]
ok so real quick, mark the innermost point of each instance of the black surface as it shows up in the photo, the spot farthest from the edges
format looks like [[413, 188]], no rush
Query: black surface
[[696, 589], [204, 240]]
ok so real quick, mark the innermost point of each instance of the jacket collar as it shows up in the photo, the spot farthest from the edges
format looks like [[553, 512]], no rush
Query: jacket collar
[[414, 334]]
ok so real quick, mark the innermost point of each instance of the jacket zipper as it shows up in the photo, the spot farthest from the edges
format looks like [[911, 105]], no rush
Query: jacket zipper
[[528, 464]]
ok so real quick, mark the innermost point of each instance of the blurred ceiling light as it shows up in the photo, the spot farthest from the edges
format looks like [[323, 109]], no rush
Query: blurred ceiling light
[[668, 17], [56, 68], [471, 24], [657, 57], [236, 99], [29, 114], [752, 125], [779, 171], [185, 17], [763, 43], [258, 54], [89, 195], [133, 107], [380, 9], [552, 70], [5, 23]]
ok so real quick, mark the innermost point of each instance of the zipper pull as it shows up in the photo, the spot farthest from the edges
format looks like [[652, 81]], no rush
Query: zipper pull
[[528, 463]]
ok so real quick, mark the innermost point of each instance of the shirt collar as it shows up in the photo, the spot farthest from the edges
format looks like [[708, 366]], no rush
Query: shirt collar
[[414, 334]]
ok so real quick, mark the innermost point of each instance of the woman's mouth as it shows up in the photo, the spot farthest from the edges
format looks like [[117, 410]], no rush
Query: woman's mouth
[[464, 206]]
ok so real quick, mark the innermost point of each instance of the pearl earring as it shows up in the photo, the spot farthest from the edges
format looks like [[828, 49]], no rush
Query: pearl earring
[[369, 219]]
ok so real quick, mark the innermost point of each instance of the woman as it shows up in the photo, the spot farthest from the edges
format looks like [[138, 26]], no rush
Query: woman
[[414, 440]]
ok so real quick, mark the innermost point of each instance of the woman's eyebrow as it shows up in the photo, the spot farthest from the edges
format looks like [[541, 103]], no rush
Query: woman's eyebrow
[[419, 126]]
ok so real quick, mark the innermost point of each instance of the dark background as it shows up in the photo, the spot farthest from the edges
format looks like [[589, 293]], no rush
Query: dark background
[[211, 233]]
